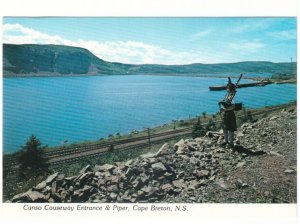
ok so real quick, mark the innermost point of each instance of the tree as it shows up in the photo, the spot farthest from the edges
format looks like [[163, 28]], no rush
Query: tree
[[32, 159], [211, 125], [198, 130]]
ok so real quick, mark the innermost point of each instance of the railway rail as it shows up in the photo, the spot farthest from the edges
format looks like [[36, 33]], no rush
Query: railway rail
[[76, 153], [92, 147]]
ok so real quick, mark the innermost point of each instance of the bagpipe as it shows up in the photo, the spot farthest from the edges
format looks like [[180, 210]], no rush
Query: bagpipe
[[230, 94]]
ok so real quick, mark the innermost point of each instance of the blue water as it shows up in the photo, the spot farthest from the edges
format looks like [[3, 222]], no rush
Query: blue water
[[56, 109]]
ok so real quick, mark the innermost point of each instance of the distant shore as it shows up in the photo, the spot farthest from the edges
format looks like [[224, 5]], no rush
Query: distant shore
[[217, 75]]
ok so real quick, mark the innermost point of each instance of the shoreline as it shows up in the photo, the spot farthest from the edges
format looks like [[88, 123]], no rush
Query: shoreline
[[215, 75], [156, 129]]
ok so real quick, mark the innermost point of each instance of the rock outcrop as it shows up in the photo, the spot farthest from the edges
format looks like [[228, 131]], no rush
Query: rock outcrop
[[188, 170]]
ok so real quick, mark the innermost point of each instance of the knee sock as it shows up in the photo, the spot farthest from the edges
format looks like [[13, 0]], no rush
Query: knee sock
[[225, 132], [231, 137]]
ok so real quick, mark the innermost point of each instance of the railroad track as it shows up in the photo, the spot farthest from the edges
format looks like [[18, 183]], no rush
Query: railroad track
[[76, 153], [90, 151], [92, 147], [136, 142], [96, 152]]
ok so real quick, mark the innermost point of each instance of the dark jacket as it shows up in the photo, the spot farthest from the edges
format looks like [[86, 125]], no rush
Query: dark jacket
[[229, 120]]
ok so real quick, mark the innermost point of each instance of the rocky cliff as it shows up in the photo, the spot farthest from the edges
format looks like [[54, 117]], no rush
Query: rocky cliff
[[260, 168]]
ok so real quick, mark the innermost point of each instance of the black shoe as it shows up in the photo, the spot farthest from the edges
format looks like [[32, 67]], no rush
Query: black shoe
[[230, 145], [223, 144]]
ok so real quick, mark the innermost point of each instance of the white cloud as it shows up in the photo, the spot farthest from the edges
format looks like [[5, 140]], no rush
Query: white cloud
[[284, 35], [252, 25], [246, 46], [133, 52], [138, 52], [17, 34], [201, 34]]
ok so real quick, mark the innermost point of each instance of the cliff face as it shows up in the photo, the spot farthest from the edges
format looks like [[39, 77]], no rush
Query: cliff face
[[57, 60], [260, 168]]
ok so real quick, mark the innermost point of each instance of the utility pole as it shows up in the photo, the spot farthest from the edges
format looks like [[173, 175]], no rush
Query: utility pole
[[291, 65], [149, 137]]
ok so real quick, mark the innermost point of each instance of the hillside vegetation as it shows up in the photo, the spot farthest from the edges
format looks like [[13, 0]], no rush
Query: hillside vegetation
[[58, 60], [39, 60]]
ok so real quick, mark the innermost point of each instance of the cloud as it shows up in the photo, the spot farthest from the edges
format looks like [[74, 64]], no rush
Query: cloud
[[132, 52], [252, 25], [135, 52], [17, 34], [246, 46], [201, 34], [138, 52], [284, 35]]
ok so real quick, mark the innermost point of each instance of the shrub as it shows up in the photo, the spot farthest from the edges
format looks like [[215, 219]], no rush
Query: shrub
[[31, 158], [198, 130]]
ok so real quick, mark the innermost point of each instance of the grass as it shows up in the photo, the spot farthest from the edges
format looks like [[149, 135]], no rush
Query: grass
[[134, 134], [109, 157], [13, 185]]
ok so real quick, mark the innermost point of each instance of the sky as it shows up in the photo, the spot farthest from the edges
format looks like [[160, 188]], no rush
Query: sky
[[163, 40]]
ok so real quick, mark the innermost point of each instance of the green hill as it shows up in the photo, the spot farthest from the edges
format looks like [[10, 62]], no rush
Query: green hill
[[59, 60], [39, 60]]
